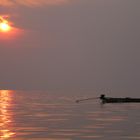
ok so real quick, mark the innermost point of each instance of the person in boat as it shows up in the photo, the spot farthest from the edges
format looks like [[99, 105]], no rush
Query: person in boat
[[103, 98], [114, 100]]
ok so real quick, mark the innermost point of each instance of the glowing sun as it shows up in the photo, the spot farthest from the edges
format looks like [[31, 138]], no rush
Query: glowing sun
[[5, 27]]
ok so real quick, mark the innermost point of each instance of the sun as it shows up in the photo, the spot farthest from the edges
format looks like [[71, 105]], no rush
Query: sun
[[5, 27]]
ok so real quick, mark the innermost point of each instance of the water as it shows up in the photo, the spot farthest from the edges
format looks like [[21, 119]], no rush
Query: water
[[54, 116]]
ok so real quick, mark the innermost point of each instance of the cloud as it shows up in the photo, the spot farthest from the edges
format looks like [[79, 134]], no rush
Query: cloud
[[31, 3]]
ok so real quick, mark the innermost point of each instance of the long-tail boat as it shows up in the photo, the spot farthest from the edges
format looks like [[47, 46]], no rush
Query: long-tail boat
[[105, 99]]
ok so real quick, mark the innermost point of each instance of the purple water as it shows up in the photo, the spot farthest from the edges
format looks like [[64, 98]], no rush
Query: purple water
[[40, 115]]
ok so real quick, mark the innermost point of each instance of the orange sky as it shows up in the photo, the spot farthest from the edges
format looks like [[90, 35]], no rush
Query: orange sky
[[31, 3], [71, 44]]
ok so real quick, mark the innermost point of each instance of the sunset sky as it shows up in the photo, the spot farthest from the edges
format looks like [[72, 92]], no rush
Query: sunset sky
[[71, 44]]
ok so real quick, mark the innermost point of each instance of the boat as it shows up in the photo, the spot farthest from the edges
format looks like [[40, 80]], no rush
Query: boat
[[105, 99]]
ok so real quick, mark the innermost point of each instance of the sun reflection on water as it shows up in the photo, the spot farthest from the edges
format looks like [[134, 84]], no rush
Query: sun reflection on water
[[5, 117]]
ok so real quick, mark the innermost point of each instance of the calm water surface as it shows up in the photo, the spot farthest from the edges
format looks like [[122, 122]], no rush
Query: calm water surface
[[35, 115]]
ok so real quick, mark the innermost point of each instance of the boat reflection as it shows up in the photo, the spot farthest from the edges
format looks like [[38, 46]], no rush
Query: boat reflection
[[5, 116]]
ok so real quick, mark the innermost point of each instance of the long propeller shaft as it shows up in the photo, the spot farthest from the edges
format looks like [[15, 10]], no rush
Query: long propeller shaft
[[77, 101]]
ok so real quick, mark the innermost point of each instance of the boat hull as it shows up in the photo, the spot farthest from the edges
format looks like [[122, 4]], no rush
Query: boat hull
[[121, 100]]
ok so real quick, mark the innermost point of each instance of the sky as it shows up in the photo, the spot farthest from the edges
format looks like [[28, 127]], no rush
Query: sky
[[88, 45]]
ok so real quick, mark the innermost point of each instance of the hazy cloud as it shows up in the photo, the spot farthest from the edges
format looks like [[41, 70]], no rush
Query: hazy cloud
[[31, 3]]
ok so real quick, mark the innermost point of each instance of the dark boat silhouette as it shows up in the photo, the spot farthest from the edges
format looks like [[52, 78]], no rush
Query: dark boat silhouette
[[105, 99]]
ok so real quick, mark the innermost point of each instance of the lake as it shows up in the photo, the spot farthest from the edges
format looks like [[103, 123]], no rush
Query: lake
[[42, 115]]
